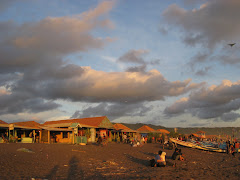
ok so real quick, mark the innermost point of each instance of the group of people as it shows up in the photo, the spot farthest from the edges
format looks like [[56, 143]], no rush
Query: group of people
[[102, 140], [232, 148], [160, 158], [5, 137]]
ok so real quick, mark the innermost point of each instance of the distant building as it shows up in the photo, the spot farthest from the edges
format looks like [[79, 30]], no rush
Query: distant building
[[201, 134]]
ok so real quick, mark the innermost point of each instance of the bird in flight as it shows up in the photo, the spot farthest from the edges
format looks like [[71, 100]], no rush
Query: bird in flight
[[231, 44]]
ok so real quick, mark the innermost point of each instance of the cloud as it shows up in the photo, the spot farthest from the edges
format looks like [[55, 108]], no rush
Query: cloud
[[213, 102], [229, 59], [137, 69], [228, 117], [198, 125], [62, 35], [98, 86], [134, 56], [32, 56], [211, 26], [34, 75], [113, 110], [208, 25], [16, 103], [204, 71], [35, 44]]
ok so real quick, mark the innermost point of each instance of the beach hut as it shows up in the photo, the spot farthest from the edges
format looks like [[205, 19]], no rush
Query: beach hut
[[31, 131], [201, 134], [4, 130], [55, 135], [146, 129], [25, 132], [90, 127], [121, 129]]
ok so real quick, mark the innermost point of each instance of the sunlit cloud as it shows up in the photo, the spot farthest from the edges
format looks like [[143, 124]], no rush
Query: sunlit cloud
[[219, 102]]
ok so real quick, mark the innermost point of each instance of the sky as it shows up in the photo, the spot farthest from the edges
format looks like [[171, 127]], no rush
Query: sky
[[156, 62]]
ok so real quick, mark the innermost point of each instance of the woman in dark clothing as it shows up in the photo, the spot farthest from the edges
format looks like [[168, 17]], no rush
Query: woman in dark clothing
[[176, 154]]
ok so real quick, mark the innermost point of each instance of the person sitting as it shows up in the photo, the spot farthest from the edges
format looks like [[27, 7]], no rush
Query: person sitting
[[160, 160], [177, 154]]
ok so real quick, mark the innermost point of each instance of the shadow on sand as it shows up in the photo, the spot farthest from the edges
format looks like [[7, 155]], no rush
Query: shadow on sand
[[144, 162], [74, 171], [52, 173], [149, 154]]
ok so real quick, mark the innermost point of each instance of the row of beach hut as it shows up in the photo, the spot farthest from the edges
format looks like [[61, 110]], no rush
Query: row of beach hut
[[72, 131]]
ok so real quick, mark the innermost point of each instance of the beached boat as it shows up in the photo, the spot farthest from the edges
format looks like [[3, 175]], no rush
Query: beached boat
[[198, 145]]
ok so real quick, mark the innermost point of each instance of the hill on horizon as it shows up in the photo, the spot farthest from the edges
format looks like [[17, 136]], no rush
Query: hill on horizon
[[188, 130]]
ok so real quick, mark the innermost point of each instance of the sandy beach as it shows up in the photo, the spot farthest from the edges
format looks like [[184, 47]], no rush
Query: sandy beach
[[114, 161]]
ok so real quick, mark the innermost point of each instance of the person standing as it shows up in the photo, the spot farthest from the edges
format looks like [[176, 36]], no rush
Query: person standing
[[236, 145]]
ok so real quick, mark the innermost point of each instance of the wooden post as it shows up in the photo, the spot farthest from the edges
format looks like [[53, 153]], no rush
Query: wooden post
[[49, 137], [40, 136], [8, 135], [61, 135], [73, 136], [34, 138]]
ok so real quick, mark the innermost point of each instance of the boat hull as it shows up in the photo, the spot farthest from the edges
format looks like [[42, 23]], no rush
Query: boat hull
[[197, 146]]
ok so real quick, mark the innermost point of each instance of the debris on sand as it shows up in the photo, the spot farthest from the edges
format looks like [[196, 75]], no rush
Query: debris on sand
[[112, 163], [78, 150], [25, 150]]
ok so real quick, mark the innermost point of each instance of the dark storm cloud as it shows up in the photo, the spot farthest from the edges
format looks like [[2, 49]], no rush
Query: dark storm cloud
[[228, 117], [34, 53], [31, 65], [113, 111], [199, 125], [213, 102], [15, 103], [213, 23], [212, 26]]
